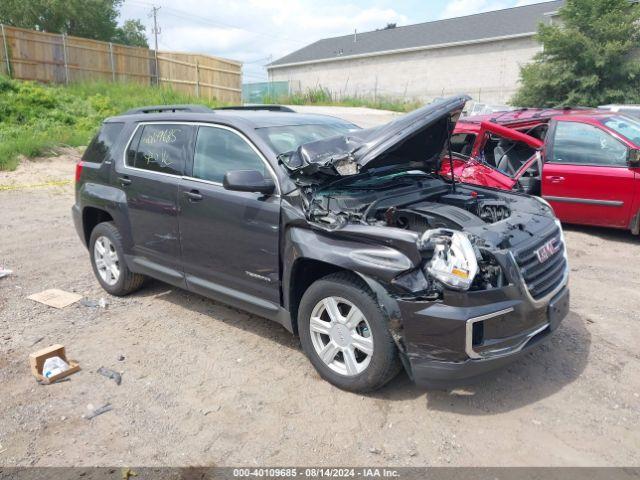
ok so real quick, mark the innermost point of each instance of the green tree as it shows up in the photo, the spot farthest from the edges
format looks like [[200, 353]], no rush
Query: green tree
[[132, 33], [96, 19], [590, 57]]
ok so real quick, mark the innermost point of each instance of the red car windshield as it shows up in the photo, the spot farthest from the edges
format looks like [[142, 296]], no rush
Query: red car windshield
[[625, 126]]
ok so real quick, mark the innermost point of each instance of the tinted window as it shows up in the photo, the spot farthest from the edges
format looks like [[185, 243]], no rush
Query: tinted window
[[100, 146], [219, 150], [289, 137], [160, 148], [578, 143]]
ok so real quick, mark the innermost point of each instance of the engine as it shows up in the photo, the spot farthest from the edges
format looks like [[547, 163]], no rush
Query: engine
[[457, 211]]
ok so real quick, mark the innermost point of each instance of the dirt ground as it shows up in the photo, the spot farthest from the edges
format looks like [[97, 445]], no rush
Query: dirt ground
[[204, 384]]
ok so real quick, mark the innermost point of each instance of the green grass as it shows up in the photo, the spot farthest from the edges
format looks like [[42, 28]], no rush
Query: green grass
[[321, 96], [36, 118]]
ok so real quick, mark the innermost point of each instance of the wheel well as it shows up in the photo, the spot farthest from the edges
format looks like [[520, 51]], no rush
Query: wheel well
[[305, 271], [91, 217]]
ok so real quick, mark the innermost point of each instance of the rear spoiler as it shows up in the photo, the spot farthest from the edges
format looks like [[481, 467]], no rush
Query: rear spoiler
[[169, 108]]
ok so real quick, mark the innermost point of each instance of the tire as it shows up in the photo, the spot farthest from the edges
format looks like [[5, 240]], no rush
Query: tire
[[370, 372], [127, 281]]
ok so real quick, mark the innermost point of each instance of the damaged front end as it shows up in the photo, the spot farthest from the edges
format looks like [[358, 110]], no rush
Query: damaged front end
[[455, 267]]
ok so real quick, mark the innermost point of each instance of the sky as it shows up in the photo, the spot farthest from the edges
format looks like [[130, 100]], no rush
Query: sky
[[258, 31]]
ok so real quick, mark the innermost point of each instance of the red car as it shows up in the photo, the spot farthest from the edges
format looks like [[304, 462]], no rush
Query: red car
[[585, 163]]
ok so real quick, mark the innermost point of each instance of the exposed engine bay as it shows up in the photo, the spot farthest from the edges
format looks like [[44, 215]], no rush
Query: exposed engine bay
[[445, 217], [410, 200]]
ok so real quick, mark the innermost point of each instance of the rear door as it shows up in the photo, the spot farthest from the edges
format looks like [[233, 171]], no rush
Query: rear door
[[230, 240], [586, 177], [155, 160]]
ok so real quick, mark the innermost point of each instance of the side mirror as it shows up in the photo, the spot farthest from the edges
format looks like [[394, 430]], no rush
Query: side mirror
[[634, 158], [248, 181]]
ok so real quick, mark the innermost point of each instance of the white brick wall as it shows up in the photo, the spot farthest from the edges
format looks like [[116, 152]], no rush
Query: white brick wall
[[487, 71]]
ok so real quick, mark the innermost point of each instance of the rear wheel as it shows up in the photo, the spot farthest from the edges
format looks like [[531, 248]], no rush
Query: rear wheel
[[345, 335], [107, 260]]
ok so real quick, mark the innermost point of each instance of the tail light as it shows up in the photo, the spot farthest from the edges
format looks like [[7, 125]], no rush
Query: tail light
[[79, 166]]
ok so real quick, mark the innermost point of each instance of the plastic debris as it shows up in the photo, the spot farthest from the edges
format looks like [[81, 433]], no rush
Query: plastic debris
[[5, 272], [54, 366], [102, 303], [112, 374], [99, 411]]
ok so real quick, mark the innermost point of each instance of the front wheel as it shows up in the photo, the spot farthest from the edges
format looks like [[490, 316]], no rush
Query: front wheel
[[344, 333]]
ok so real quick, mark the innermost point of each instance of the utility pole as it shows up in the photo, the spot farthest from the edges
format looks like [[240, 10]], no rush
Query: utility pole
[[156, 31]]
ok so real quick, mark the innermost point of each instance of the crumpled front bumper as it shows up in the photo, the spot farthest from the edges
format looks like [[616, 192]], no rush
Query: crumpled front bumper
[[468, 334]]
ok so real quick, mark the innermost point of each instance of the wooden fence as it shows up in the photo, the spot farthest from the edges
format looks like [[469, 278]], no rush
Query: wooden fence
[[55, 58]]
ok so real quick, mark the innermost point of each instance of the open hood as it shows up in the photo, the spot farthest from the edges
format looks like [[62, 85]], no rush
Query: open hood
[[416, 139]]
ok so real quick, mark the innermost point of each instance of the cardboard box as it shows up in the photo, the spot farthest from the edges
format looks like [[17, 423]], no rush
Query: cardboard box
[[36, 360]]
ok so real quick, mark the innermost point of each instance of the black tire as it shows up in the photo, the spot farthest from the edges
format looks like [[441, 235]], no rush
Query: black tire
[[128, 281], [384, 364]]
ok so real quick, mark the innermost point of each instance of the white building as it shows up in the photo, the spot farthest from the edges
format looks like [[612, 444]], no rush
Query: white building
[[477, 54]]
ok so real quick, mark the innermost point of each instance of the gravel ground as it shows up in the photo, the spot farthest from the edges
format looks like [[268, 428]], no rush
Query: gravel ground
[[204, 384]]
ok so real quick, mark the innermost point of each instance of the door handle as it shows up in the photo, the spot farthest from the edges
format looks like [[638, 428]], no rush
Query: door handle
[[556, 179], [193, 195], [125, 181]]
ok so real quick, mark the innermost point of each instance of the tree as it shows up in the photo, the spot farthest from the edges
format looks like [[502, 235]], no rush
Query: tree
[[132, 33], [96, 19], [590, 57]]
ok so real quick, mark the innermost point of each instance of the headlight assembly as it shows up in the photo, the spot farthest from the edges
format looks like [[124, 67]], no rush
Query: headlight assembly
[[454, 261]]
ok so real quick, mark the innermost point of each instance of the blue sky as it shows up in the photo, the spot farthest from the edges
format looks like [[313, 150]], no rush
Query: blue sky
[[255, 31]]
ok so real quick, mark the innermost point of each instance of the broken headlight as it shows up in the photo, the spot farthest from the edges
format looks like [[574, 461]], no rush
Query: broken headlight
[[453, 261]]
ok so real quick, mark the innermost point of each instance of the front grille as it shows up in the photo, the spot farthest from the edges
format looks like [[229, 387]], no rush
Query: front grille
[[542, 278]]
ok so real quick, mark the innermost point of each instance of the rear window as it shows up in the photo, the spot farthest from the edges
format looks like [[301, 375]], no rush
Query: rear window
[[101, 145], [162, 148]]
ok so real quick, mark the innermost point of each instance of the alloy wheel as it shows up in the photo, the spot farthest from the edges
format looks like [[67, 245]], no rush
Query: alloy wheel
[[341, 336], [107, 261]]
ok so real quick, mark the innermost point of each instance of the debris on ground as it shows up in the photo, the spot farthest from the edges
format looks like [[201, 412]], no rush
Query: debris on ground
[[112, 374], [99, 411], [5, 272], [51, 364], [37, 340], [54, 366], [121, 358], [102, 303], [55, 298]]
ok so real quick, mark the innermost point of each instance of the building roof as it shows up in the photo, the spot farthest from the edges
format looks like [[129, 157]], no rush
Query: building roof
[[506, 23]]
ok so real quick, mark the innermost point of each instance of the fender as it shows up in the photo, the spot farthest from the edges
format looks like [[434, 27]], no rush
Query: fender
[[113, 201]]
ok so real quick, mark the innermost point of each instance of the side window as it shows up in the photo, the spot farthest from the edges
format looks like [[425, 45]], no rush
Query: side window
[[100, 147], [160, 148], [462, 143], [219, 150], [581, 144]]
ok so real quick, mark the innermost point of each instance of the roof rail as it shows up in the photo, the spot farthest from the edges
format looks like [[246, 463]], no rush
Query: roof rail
[[270, 108], [169, 108]]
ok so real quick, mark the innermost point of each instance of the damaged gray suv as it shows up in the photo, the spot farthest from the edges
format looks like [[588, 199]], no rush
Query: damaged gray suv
[[348, 238]]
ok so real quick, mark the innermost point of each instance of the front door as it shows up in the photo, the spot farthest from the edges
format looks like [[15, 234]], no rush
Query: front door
[[230, 240], [154, 163], [586, 177]]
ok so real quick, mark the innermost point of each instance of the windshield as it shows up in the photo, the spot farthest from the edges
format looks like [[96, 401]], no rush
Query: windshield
[[625, 126], [289, 137]]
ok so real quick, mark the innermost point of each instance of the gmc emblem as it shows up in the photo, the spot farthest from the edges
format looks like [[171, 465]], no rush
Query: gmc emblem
[[547, 250]]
